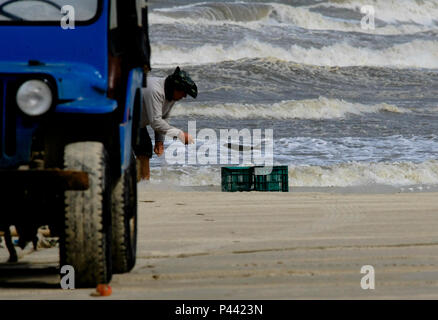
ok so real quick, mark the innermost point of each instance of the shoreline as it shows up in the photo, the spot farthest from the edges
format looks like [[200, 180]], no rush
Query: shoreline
[[371, 189]]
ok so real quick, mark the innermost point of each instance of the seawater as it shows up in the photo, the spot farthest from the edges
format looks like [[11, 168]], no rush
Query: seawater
[[348, 106]]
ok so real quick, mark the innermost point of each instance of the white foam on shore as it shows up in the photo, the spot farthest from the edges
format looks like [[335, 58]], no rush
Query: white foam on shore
[[339, 175], [418, 53], [365, 174], [322, 108]]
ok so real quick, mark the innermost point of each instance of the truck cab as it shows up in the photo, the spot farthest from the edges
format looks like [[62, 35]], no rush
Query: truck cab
[[71, 74]]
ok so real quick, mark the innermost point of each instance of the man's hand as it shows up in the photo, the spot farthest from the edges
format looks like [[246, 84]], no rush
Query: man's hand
[[186, 138], [159, 148]]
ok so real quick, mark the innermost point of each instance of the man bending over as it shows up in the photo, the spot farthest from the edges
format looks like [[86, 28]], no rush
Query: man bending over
[[159, 97]]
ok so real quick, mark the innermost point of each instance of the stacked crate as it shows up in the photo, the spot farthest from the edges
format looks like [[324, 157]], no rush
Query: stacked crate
[[255, 179]]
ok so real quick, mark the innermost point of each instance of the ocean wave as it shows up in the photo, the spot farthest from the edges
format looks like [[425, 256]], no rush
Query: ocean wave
[[213, 11], [329, 151], [424, 12], [305, 18], [418, 53], [253, 15], [432, 109], [322, 108], [339, 175], [365, 174]]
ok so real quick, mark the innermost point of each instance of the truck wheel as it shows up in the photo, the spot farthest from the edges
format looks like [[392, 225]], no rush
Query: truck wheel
[[124, 245], [86, 240]]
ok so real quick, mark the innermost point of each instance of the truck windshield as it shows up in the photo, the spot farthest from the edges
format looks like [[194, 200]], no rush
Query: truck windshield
[[46, 10]]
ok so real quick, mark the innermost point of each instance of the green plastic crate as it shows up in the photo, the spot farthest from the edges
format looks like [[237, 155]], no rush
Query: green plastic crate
[[258, 178], [274, 178], [237, 179]]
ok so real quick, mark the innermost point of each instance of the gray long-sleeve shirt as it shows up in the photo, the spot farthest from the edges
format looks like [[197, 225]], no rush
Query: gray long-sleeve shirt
[[156, 109]]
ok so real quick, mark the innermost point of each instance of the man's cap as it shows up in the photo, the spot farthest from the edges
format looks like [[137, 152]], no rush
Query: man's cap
[[182, 80]]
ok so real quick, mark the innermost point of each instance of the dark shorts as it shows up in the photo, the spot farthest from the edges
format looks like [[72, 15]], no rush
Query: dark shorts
[[143, 147]]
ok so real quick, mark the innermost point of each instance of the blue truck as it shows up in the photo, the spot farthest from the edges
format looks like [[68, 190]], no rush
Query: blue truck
[[71, 74]]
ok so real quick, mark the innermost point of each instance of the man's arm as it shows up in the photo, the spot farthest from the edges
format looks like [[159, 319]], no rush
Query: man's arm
[[153, 102], [163, 128], [159, 137]]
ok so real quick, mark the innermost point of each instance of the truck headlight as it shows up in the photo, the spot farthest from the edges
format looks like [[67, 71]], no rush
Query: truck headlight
[[34, 97]]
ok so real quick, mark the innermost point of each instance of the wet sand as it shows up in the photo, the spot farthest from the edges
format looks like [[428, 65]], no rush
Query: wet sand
[[306, 245]]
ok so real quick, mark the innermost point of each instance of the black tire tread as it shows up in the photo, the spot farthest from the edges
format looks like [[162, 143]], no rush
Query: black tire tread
[[85, 244], [123, 251]]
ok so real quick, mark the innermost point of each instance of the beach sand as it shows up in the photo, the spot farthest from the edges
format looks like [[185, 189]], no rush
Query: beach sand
[[307, 245]]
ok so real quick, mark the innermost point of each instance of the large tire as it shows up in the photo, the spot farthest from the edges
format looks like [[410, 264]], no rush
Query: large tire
[[124, 245], [86, 240]]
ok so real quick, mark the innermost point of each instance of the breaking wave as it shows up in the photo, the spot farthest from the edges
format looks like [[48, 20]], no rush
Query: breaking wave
[[423, 12], [362, 174], [321, 108], [418, 53], [339, 175], [304, 18], [215, 11], [253, 15]]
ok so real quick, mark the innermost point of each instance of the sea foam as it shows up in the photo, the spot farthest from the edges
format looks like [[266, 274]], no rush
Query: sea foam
[[321, 108], [338, 175], [418, 53], [257, 15]]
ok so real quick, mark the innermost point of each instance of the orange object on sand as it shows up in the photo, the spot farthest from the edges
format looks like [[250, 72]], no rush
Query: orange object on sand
[[104, 290]]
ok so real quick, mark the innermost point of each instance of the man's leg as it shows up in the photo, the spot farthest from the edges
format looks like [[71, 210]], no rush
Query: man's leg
[[144, 171], [143, 151]]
